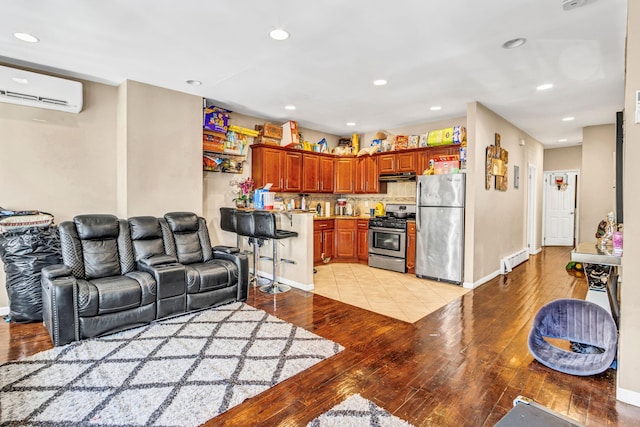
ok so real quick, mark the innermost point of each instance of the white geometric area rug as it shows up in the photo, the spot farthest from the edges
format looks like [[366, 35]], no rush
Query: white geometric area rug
[[176, 372], [357, 411]]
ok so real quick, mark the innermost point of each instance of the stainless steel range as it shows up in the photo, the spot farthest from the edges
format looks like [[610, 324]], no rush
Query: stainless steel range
[[388, 238]]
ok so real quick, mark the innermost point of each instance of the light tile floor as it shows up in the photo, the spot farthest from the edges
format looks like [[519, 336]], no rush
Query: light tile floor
[[401, 296]]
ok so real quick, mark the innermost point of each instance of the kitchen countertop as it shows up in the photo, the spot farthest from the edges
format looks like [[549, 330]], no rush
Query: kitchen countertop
[[317, 218]]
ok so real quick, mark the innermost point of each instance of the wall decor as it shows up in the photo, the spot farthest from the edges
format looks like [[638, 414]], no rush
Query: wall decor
[[496, 166]]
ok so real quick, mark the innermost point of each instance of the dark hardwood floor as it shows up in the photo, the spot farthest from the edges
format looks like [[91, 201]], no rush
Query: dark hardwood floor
[[460, 366]]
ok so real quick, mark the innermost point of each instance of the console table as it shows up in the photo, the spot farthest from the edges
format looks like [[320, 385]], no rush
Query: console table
[[590, 253]]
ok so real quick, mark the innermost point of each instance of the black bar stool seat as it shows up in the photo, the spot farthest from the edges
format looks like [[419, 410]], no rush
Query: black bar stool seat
[[245, 226], [265, 228]]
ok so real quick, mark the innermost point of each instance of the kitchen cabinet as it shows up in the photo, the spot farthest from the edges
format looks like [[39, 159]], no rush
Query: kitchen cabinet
[[317, 173], [367, 175], [387, 163], [345, 249], [326, 174], [292, 163], [406, 162], [411, 247], [397, 162], [345, 175], [362, 228], [323, 239], [266, 166]]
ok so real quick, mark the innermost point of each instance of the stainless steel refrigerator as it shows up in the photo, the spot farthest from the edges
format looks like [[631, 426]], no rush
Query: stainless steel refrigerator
[[440, 227]]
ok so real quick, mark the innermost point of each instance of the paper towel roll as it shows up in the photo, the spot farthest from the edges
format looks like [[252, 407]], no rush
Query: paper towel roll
[[327, 209]]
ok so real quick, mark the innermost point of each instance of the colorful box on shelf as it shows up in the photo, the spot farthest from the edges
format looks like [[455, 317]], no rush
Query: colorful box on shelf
[[448, 136], [446, 164], [238, 138], [216, 119], [211, 142]]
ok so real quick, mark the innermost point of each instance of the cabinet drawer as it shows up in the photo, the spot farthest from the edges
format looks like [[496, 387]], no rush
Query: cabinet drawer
[[323, 224]]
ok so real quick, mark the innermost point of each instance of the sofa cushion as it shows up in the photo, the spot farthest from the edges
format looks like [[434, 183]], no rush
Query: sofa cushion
[[108, 295], [208, 276], [96, 226], [100, 258], [188, 248], [181, 222]]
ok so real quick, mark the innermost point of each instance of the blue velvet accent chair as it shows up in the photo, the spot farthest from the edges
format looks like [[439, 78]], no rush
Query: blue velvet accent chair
[[577, 321]]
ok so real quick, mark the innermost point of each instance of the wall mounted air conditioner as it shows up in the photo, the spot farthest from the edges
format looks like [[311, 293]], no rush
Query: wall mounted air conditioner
[[39, 90]]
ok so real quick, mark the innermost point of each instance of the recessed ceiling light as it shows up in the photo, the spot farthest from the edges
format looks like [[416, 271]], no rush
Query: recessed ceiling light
[[545, 86], [436, 108], [380, 82], [289, 107], [351, 123], [514, 43], [20, 80], [568, 119], [194, 82], [562, 140], [26, 37], [279, 34]]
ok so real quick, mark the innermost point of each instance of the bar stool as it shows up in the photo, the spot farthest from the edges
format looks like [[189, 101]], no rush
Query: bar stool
[[245, 227], [228, 222], [265, 228]]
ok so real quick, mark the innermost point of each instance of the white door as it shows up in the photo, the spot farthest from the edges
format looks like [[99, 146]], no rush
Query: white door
[[560, 208], [531, 211]]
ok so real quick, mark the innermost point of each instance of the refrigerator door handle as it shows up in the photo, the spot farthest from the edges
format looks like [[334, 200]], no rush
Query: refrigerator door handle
[[419, 192]]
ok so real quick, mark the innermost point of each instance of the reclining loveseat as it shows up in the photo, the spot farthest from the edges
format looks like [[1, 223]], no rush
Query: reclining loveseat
[[119, 274]]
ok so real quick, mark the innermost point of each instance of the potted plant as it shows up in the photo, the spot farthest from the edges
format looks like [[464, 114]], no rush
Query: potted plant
[[243, 188]]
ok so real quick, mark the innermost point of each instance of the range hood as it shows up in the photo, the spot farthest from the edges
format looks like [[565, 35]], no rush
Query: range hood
[[404, 176]]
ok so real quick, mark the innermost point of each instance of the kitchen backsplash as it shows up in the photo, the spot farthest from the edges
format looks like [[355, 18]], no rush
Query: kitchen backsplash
[[397, 192]]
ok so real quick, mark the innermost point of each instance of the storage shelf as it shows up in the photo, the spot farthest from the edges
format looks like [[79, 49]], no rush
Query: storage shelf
[[223, 162]]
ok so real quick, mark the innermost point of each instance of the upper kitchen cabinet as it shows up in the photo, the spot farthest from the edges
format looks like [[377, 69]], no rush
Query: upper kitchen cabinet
[[406, 162], [367, 175], [282, 168], [266, 166], [387, 163], [317, 173], [397, 162], [292, 163], [345, 175]]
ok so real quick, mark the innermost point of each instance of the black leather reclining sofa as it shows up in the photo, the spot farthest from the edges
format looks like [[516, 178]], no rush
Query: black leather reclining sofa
[[118, 274]]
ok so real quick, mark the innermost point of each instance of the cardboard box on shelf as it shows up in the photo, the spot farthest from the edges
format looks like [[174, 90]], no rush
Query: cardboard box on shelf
[[269, 130], [446, 165], [216, 119], [290, 133], [213, 143], [453, 135], [267, 140]]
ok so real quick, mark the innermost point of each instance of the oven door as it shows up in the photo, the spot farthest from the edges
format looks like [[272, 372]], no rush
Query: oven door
[[388, 241]]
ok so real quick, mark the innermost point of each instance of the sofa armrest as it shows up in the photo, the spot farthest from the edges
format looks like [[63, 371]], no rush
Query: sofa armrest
[[59, 305], [155, 260], [226, 249], [242, 262], [51, 272]]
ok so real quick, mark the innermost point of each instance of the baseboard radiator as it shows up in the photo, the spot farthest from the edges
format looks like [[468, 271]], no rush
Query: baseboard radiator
[[508, 263]]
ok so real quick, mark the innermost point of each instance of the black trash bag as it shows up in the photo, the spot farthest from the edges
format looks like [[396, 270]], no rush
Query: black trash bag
[[24, 253]]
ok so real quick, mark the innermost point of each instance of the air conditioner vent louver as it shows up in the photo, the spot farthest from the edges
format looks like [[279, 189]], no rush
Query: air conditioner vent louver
[[40, 90]]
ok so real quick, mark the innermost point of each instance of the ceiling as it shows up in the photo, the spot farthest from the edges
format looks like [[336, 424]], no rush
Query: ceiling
[[432, 53]]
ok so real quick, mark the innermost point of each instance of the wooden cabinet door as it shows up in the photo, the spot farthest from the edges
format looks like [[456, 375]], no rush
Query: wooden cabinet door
[[406, 162], [317, 247], [345, 175], [363, 241], [422, 160], [367, 175], [345, 239], [266, 167], [292, 171], [310, 173], [328, 243], [411, 247], [387, 163], [371, 182], [326, 174]]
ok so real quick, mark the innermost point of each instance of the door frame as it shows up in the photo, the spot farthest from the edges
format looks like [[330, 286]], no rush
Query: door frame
[[531, 209], [576, 213]]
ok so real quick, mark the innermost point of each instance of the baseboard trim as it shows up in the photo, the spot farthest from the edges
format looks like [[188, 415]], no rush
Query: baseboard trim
[[628, 396], [536, 251], [304, 287], [4, 311], [481, 281]]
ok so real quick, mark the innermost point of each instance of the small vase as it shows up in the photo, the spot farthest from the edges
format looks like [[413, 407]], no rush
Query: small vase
[[241, 203]]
